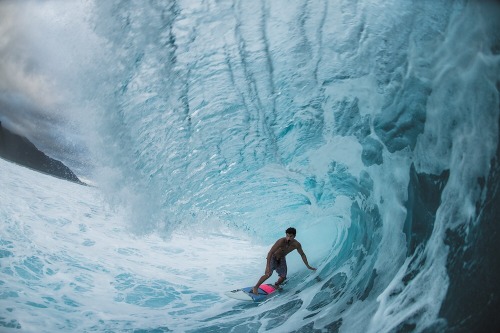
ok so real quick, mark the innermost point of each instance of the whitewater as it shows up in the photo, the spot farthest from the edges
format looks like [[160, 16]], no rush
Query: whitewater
[[206, 128]]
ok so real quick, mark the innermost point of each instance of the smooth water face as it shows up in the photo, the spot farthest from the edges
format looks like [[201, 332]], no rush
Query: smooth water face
[[210, 127]]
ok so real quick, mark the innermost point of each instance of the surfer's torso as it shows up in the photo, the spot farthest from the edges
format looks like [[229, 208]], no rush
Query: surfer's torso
[[284, 247]]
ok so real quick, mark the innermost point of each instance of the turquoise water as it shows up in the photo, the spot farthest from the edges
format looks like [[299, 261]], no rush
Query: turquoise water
[[209, 128]]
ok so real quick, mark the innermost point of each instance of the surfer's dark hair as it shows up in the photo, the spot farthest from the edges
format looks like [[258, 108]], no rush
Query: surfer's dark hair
[[291, 231]]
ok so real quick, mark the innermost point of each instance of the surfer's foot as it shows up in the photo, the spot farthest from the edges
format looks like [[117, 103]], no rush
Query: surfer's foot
[[255, 291]]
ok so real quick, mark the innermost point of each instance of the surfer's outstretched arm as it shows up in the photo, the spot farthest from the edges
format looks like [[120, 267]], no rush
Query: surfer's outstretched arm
[[304, 257]]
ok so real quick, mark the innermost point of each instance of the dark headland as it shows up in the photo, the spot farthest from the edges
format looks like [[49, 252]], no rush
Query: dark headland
[[20, 150]]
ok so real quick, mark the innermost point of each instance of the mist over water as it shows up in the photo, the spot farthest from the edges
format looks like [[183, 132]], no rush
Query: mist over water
[[209, 128]]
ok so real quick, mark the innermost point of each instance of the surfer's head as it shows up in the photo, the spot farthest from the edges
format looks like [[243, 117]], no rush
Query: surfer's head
[[291, 231]]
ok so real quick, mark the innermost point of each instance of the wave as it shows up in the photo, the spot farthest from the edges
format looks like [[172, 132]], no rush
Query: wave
[[370, 127]]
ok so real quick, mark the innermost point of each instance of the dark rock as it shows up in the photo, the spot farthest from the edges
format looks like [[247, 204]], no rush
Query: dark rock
[[20, 150]]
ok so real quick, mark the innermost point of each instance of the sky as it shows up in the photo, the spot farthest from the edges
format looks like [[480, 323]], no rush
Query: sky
[[42, 44]]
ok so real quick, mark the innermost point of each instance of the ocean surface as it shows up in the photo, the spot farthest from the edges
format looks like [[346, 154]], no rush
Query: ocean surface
[[206, 128]]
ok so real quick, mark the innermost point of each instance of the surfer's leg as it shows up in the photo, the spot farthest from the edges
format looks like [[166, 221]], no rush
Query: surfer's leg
[[272, 267], [281, 270], [263, 278], [280, 281]]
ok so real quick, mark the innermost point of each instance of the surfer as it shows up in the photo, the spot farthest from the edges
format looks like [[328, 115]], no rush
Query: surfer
[[276, 258]]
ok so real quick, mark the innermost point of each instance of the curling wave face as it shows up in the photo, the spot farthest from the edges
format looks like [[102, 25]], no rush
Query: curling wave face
[[370, 127]]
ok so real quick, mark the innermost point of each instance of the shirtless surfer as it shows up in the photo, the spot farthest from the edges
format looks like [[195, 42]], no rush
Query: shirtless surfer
[[276, 258]]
